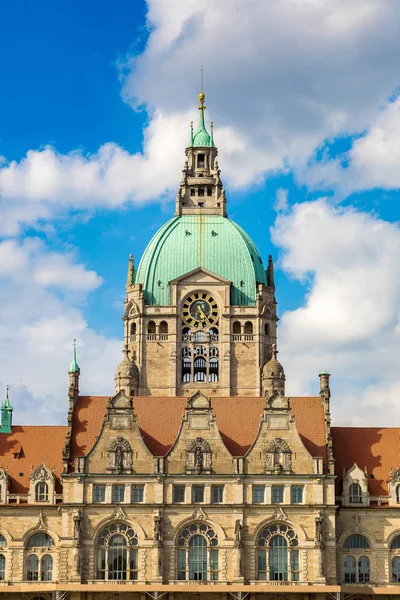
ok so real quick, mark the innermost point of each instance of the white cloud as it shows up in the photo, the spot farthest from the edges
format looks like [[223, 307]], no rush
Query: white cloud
[[39, 321], [372, 161], [350, 321]]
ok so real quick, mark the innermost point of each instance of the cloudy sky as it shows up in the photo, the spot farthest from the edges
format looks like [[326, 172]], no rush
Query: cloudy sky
[[95, 104]]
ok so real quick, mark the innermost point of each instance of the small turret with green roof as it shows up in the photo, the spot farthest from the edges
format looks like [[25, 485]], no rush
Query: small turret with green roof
[[74, 367], [6, 415]]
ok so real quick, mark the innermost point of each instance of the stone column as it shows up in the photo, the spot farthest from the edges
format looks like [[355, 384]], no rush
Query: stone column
[[237, 552], [157, 561]]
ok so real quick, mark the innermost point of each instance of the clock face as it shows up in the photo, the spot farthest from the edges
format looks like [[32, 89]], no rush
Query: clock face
[[200, 310]]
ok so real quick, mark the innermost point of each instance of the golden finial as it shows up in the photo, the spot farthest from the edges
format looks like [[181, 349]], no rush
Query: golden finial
[[201, 95]]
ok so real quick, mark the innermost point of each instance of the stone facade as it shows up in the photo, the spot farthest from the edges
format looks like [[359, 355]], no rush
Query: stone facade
[[199, 476]]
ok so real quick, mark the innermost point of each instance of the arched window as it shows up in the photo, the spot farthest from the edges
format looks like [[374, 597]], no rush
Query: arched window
[[198, 558], [278, 554], [3, 544], [248, 328], [186, 364], [355, 493], [200, 364], [350, 569], [164, 328], [395, 544], [39, 565], [356, 541], [398, 493], [363, 569], [42, 492], [213, 365], [214, 334], [396, 569], [47, 567], [117, 553], [39, 540], [151, 327], [2, 567], [132, 332], [236, 328]]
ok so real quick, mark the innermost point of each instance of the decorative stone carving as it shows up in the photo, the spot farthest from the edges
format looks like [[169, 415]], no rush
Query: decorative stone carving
[[78, 516], [238, 533], [158, 527], [119, 514], [319, 529], [199, 456], [120, 456], [278, 456], [42, 473], [41, 524]]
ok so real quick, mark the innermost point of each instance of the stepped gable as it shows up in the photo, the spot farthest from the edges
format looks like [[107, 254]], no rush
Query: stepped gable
[[159, 419], [28, 446], [376, 448]]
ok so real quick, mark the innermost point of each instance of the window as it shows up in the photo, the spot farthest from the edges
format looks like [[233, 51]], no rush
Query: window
[[248, 328], [99, 493], [356, 541], [47, 568], [296, 494], [40, 568], [355, 494], [395, 544], [258, 494], [186, 365], [277, 494], [213, 365], [163, 328], [350, 569], [178, 493], [396, 569], [363, 569], [266, 329], [118, 493], [200, 369], [133, 332], [42, 492], [33, 567], [201, 192], [209, 191], [236, 328], [217, 494], [200, 161], [151, 327], [137, 493], [2, 567], [117, 554], [398, 494], [192, 191], [279, 544], [198, 555], [197, 493]]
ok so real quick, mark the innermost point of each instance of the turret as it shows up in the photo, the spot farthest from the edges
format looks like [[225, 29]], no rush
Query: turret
[[127, 375], [201, 190], [74, 373], [273, 376], [6, 415], [131, 271]]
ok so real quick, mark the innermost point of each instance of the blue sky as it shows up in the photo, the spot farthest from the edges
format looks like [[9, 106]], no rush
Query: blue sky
[[95, 102]]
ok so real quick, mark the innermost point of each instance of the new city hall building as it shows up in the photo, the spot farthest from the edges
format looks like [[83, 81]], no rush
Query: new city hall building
[[199, 478]]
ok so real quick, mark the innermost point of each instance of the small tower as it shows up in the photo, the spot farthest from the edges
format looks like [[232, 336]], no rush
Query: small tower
[[201, 190], [74, 372], [273, 376], [6, 415], [127, 375]]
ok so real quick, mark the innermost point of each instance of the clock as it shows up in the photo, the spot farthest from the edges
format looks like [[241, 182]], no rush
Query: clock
[[200, 310]]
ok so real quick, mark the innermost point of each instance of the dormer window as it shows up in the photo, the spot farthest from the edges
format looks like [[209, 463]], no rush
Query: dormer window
[[200, 161]]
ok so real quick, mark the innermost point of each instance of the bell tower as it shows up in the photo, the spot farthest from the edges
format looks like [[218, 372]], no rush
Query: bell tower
[[201, 185]]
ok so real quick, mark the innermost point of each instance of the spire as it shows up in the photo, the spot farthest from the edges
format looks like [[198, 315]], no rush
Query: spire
[[74, 367], [131, 270], [6, 415]]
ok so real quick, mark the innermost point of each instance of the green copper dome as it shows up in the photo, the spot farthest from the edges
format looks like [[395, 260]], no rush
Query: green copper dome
[[213, 242]]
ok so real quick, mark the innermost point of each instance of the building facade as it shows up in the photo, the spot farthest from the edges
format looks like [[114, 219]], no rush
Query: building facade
[[199, 477]]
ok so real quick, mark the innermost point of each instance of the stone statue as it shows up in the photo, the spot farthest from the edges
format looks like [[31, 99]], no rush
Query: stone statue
[[319, 528], [198, 458], [119, 458], [158, 527], [238, 531], [78, 525]]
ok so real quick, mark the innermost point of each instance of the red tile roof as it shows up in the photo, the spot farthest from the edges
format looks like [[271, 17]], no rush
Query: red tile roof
[[27, 446], [375, 448], [159, 419]]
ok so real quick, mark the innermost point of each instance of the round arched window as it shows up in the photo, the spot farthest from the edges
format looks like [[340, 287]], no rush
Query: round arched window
[[117, 553], [278, 554], [198, 555]]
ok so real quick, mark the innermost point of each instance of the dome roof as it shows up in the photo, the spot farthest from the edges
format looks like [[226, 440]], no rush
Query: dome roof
[[213, 242]]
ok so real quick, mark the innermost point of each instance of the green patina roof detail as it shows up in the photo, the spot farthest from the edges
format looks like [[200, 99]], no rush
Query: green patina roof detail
[[201, 137], [74, 367], [213, 242], [7, 404]]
